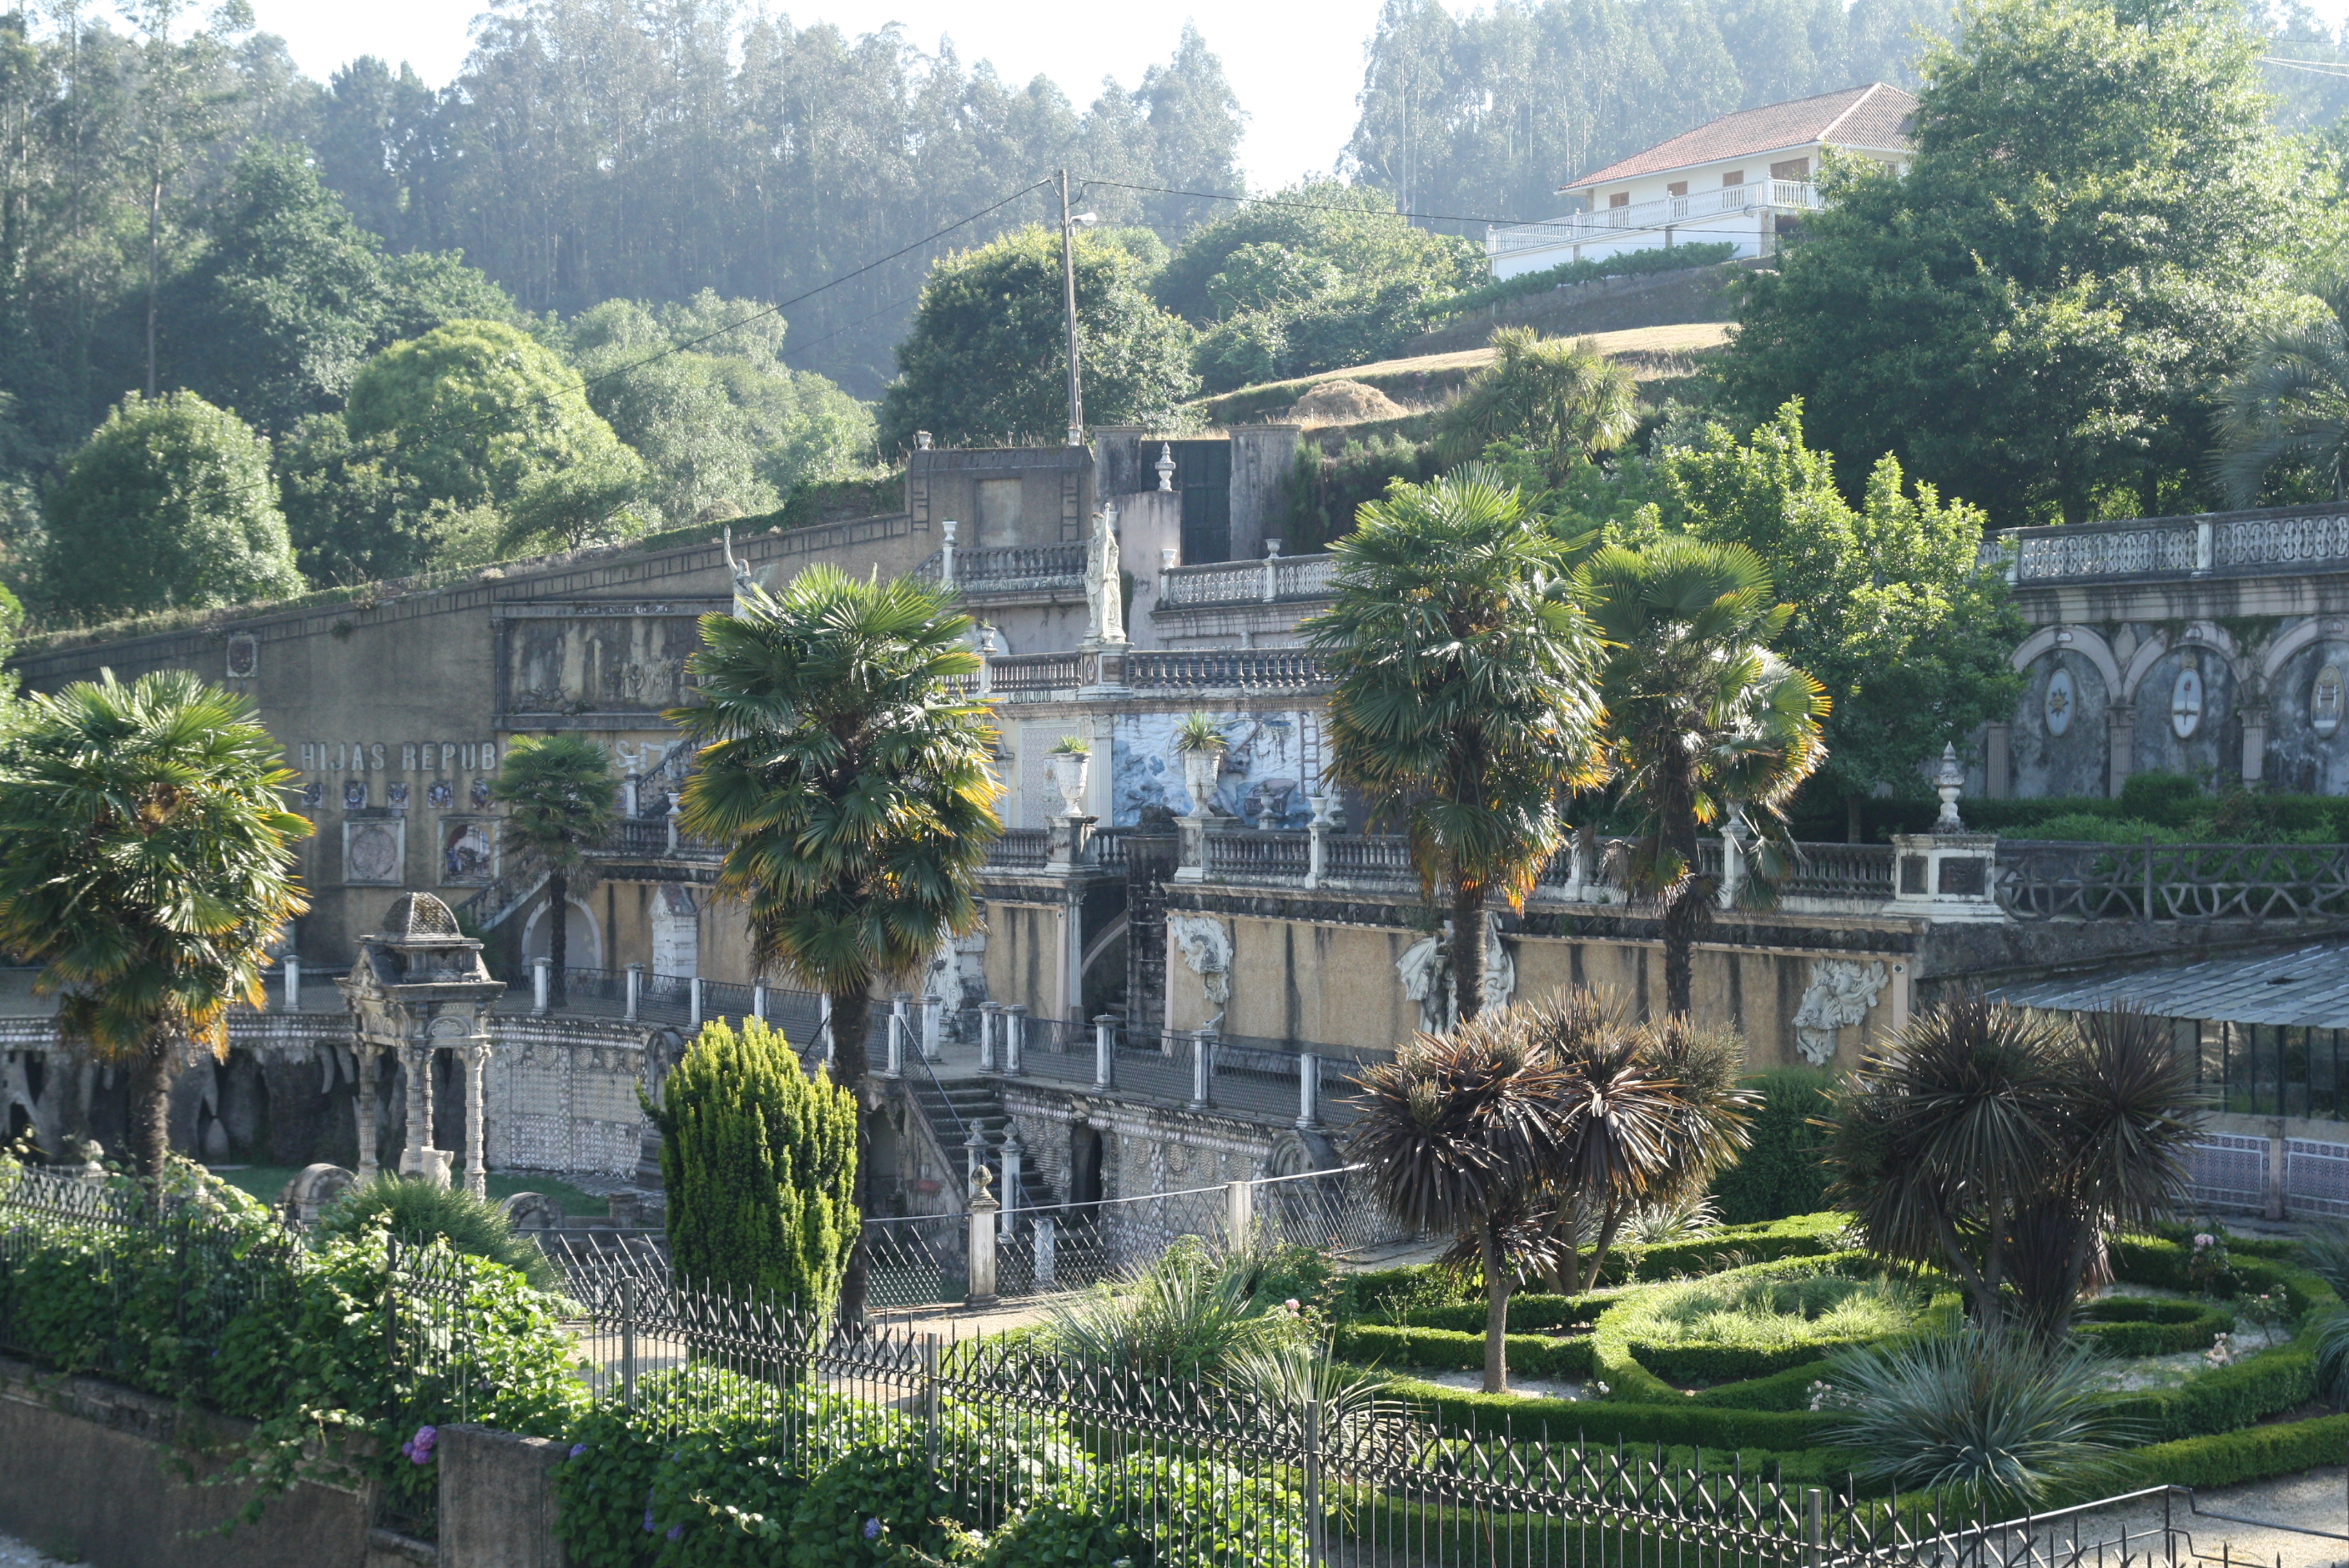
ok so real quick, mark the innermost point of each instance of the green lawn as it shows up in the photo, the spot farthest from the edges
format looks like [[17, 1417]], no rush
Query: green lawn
[[268, 1181]]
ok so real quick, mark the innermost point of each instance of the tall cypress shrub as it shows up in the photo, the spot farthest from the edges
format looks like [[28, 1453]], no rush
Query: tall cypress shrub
[[759, 1159], [1781, 1171]]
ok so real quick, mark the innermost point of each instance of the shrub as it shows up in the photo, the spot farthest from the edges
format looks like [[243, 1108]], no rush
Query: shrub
[[1183, 1314], [1801, 1236], [1684, 1422], [1566, 275], [1532, 1313], [415, 1211], [1993, 1415], [1779, 1172], [758, 1159]]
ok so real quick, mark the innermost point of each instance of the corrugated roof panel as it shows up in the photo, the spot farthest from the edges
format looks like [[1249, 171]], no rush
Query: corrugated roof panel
[[2306, 987]]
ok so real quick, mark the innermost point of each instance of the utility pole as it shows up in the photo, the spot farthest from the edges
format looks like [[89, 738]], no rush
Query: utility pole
[[1069, 299]]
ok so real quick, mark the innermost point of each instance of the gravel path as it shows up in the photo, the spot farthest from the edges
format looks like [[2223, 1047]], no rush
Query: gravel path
[[2313, 1499]]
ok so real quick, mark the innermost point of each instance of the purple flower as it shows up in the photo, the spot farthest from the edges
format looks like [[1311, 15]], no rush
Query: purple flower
[[649, 1526], [871, 1530], [578, 1449], [677, 1533]]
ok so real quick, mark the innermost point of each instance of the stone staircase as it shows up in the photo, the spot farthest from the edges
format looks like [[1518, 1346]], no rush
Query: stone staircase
[[953, 1107]]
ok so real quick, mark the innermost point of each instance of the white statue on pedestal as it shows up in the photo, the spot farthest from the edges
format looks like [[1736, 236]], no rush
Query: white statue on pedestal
[[745, 586], [1105, 590]]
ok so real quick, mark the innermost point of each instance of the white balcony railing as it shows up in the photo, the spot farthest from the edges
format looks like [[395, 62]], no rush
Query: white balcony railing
[[1244, 581], [1608, 222], [2152, 546]]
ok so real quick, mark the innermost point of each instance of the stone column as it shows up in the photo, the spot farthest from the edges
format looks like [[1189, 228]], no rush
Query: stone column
[[983, 1210], [2255, 744], [1203, 1068], [293, 996], [1997, 767], [369, 1060], [823, 1026], [1104, 1051], [1239, 1213], [987, 1012], [1308, 1089], [932, 1009], [417, 1060], [538, 967], [1014, 1156], [1048, 1247], [693, 1001], [477, 1169], [758, 1000], [1015, 1036], [2120, 740], [636, 989]]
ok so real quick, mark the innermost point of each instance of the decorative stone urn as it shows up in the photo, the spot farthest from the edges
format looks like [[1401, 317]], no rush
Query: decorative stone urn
[[1069, 771], [1200, 772]]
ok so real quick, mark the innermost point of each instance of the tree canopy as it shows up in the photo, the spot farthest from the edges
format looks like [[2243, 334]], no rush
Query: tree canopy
[[2095, 220], [479, 413], [984, 363], [170, 503]]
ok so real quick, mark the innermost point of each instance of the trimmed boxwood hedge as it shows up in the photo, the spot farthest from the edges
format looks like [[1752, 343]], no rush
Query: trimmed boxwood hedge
[[1533, 1354], [1678, 1362], [2202, 1433], [2139, 1326], [1530, 1313], [1782, 1433], [1624, 1368]]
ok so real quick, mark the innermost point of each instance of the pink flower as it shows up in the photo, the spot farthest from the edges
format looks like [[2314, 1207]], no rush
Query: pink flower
[[2203, 1239], [1291, 1304]]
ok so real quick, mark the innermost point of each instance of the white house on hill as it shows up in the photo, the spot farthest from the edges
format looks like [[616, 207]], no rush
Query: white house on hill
[[1743, 178]]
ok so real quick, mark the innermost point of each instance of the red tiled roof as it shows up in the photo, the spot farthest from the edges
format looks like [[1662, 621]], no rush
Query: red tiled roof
[[1876, 115]]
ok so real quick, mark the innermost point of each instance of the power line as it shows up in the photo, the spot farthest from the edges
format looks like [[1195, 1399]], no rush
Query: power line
[[1324, 207], [2336, 68], [585, 382]]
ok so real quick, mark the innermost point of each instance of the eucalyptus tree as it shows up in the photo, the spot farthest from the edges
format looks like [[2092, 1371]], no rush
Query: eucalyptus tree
[[1463, 701], [558, 792], [847, 772], [147, 864], [1702, 719]]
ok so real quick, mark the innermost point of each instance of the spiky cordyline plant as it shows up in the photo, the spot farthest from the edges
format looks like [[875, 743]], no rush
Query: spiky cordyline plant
[[1460, 1132], [2007, 1146]]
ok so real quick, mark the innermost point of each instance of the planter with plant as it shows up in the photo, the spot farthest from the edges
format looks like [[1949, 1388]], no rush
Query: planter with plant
[[1199, 746], [1070, 763]]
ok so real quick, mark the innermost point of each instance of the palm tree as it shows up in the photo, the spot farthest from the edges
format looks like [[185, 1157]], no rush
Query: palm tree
[[1460, 1132], [1561, 397], [1702, 716], [2289, 406], [2006, 1146], [147, 862], [557, 792], [848, 774], [1463, 700]]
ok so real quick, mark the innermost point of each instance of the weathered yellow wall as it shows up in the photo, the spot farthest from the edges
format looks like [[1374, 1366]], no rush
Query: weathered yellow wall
[[1338, 984]]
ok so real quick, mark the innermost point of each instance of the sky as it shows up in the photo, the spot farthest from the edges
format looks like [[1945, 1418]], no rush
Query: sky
[[1295, 68]]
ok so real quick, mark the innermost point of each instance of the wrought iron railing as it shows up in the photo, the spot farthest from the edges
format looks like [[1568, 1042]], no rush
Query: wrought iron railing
[[2050, 880]]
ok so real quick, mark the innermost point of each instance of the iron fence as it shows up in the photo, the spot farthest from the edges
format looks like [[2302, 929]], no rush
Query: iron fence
[[1239, 1466], [2053, 880]]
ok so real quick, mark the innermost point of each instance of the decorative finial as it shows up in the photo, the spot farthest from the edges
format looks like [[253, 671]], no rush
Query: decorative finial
[[921, 441], [1948, 780], [1166, 465]]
